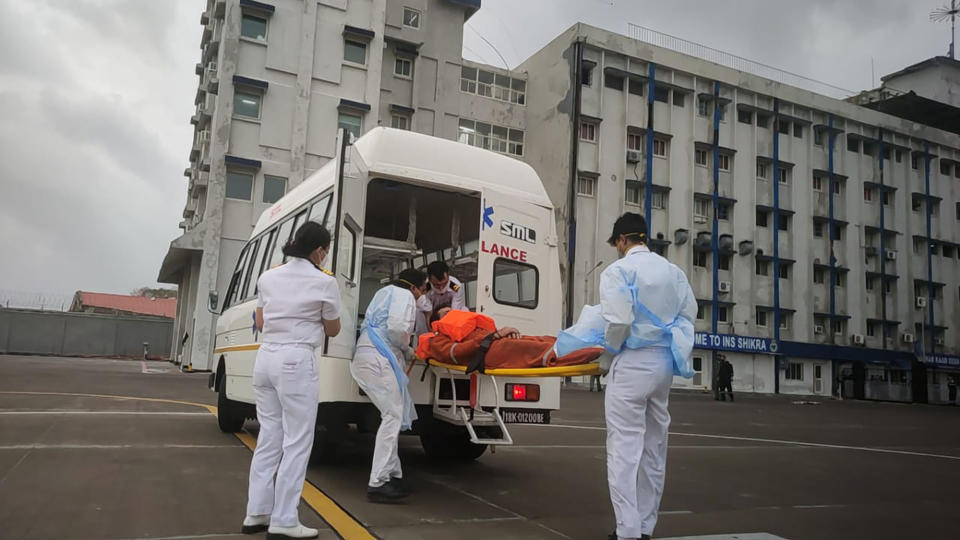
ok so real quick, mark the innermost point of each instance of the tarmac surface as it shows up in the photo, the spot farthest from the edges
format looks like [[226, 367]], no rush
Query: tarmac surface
[[76, 461]]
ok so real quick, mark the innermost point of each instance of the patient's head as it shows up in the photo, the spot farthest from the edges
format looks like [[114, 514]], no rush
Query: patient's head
[[439, 312]]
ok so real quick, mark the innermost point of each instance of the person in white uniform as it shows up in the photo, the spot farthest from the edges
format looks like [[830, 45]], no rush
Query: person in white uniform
[[298, 305], [445, 290], [649, 310], [379, 366]]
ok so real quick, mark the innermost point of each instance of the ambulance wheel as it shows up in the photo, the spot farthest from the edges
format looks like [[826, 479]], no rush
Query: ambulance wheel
[[451, 444], [230, 414]]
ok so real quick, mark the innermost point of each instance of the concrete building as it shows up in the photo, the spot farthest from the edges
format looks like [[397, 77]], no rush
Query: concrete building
[[801, 220], [807, 225]]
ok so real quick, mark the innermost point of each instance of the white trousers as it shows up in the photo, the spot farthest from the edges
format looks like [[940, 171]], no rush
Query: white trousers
[[375, 376], [638, 390], [286, 385]]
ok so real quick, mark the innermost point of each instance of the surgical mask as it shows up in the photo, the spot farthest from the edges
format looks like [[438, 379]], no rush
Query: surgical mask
[[423, 304], [323, 260]]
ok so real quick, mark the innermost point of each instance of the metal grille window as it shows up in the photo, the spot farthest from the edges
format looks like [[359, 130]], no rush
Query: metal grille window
[[763, 268], [614, 82], [722, 313], [700, 259], [745, 117], [794, 372], [817, 229], [661, 94], [635, 87], [761, 317]]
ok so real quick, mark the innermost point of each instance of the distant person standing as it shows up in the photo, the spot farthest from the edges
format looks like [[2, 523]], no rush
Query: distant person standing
[[649, 309], [725, 378], [299, 305]]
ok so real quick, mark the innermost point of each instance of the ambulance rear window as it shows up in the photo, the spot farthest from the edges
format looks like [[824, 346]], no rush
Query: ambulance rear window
[[516, 284]]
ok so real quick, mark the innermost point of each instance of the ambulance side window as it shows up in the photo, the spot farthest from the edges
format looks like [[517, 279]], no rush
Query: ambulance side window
[[265, 260], [245, 291], [516, 284], [232, 290], [277, 256], [318, 211]]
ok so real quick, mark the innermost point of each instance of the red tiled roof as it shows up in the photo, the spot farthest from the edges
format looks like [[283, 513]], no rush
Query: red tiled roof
[[163, 307]]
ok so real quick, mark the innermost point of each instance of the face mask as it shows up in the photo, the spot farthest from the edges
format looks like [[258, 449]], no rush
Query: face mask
[[423, 304], [323, 259]]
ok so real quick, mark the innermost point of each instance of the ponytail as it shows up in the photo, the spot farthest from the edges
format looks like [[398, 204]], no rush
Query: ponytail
[[310, 236]]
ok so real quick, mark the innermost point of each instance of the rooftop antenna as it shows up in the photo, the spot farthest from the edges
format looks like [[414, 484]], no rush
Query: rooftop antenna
[[941, 14]]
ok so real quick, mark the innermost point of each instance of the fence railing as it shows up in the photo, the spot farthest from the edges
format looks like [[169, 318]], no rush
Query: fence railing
[[733, 61], [43, 301]]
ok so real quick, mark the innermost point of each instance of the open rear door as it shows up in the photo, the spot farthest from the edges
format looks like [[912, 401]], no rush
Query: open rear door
[[514, 265], [347, 230]]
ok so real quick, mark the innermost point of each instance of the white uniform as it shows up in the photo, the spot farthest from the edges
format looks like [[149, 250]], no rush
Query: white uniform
[[452, 295], [295, 298], [649, 309], [379, 368]]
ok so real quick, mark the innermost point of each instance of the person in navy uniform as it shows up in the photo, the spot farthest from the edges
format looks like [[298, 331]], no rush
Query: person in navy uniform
[[444, 288]]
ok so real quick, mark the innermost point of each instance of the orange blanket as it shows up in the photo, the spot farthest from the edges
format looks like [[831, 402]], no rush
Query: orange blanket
[[522, 352]]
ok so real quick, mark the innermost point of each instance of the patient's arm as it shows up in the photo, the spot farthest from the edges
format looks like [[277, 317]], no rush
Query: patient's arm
[[507, 332]]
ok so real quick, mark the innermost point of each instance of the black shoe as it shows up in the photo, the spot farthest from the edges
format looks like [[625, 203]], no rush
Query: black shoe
[[613, 536], [400, 485], [387, 493]]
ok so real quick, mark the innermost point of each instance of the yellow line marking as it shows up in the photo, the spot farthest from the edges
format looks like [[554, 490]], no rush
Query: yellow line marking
[[342, 522], [330, 511], [235, 348]]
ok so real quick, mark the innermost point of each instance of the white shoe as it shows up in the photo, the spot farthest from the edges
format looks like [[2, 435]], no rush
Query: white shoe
[[297, 531], [255, 524]]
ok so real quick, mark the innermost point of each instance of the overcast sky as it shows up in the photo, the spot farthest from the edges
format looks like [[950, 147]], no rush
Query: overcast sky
[[96, 97]]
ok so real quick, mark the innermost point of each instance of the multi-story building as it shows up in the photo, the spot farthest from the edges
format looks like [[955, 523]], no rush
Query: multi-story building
[[811, 228]]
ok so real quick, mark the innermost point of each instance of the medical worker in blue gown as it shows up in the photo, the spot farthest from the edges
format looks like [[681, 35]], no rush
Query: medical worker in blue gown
[[379, 367], [648, 309]]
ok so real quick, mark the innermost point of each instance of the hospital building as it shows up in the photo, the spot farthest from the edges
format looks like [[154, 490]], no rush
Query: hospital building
[[820, 231]]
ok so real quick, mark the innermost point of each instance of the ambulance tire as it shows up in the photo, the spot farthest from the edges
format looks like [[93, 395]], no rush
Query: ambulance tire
[[450, 443], [230, 414]]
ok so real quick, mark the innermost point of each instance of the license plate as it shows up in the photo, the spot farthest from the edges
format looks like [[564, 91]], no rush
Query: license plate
[[525, 416]]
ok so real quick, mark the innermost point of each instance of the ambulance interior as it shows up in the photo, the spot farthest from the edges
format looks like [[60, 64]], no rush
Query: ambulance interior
[[411, 226]]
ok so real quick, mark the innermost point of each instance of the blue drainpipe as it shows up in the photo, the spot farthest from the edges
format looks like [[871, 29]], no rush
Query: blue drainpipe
[[926, 191], [715, 246], [883, 251], [648, 196], [833, 267], [776, 239]]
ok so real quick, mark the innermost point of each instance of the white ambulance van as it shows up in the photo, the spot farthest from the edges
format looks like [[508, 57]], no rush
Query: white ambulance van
[[395, 199]]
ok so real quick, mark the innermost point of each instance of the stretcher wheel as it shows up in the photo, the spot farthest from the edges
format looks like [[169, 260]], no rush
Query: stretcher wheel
[[230, 414]]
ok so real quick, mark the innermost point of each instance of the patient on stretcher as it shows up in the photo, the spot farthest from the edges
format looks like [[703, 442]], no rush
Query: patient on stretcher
[[473, 340]]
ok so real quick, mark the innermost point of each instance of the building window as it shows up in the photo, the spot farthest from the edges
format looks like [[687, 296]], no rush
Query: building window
[[661, 94], [817, 183], [867, 194], [958, 211], [899, 156], [700, 157], [635, 87], [763, 120], [915, 162], [869, 283], [273, 188], [658, 200], [411, 18], [724, 262], [351, 123], [515, 145], [838, 279], [798, 131], [402, 67], [659, 147], [678, 99], [239, 185], [818, 275], [614, 82], [853, 145], [501, 87], [399, 121], [794, 371], [783, 127], [745, 117], [837, 233], [837, 188], [699, 312], [700, 259], [761, 317], [868, 148], [763, 268], [634, 141], [783, 223], [837, 326], [633, 191], [818, 229], [253, 27], [871, 329], [722, 313], [701, 208], [762, 218], [518, 91], [355, 52], [723, 162], [468, 80], [247, 104], [784, 321], [944, 167], [723, 212], [818, 137], [784, 176], [885, 197], [703, 107], [586, 186], [784, 271], [763, 171], [491, 137], [586, 74], [588, 131]]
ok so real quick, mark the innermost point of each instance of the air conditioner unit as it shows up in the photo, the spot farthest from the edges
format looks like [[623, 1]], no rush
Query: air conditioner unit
[[212, 66], [699, 219], [858, 339], [921, 301], [634, 156], [724, 286], [938, 341], [818, 329], [891, 255], [907, 337]]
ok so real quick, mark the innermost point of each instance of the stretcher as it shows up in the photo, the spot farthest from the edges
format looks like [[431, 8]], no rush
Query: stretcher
[[454, 411]]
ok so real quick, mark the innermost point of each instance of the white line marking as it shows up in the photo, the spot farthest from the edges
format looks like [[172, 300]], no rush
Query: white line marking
[[780, 441], [102, 413], [112, 446]]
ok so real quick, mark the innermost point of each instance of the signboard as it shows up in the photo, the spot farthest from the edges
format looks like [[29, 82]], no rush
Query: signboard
[[734, 343], [942, 360]]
